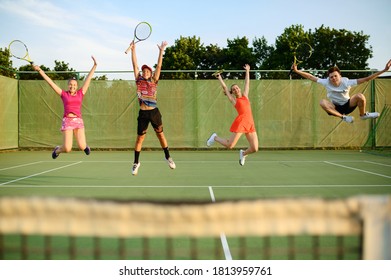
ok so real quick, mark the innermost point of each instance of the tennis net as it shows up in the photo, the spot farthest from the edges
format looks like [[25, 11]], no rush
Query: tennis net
[[312, 228]]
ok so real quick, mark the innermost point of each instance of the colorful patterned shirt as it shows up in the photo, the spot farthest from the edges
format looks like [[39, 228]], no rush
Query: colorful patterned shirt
[[146, 91]]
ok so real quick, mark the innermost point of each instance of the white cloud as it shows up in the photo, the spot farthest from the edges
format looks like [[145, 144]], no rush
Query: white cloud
[[40, 13]]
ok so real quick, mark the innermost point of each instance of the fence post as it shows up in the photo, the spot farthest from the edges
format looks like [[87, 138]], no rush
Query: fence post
[[373, 109]]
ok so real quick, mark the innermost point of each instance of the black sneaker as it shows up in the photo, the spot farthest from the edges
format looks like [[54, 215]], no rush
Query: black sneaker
[[54, 153], [87, 150]]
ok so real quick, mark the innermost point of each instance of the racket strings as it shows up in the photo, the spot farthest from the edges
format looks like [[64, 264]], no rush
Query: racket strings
[[18, 49], [303, 52], [143, 31]]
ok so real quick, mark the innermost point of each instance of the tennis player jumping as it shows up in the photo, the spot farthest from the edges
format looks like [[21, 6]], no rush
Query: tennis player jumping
[[338, 87], [243, 123], [72, 122], [146, 82]]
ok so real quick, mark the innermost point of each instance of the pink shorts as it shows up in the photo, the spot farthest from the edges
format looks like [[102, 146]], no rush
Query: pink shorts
[[72, 123]]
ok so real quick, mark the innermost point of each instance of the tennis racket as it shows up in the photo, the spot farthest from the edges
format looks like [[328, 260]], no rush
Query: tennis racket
[[19, 50], [218, 72], [301, 53], [142, 32]]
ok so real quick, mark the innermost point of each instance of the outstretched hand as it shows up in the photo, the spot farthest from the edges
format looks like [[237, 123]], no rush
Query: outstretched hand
[[162, 46], [246, 67]]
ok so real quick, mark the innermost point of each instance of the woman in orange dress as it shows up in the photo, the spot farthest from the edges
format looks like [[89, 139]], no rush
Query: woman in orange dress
[[243, 123]]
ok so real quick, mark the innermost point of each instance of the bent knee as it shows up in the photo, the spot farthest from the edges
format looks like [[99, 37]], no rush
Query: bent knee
[[360, 96], [324, 103]]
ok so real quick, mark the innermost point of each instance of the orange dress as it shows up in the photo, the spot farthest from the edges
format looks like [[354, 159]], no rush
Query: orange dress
[[244, 122]]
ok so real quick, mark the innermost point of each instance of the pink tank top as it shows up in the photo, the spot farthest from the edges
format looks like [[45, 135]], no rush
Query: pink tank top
[[72, 103]]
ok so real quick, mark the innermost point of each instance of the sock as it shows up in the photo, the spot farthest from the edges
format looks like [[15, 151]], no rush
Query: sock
[[166, 152], [136, 156]]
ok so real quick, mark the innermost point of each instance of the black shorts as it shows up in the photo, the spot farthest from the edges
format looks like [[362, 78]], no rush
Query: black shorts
[[344, 109], [149, 116]]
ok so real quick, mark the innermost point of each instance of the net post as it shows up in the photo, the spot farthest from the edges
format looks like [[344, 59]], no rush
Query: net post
[[376, 213]]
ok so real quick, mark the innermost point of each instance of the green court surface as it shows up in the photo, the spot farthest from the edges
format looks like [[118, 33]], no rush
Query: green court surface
[[200, 176]]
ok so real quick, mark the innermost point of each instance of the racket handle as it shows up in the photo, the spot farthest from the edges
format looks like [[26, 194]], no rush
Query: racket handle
[[290, 73], [127, 50]]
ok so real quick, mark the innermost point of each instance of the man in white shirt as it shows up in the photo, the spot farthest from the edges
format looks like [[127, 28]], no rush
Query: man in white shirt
[[340, 104]]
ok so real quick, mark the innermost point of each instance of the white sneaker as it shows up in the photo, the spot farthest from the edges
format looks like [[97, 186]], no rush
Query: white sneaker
[[211, 140], [348, 119], [367, 115], [171, 163], [242, 157], [135, 168]]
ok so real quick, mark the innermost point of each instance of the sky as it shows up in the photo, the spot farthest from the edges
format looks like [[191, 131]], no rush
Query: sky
[[72, 31]]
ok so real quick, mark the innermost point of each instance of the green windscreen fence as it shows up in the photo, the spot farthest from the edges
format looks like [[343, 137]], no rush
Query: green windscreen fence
[[8, 113], [287, 114]]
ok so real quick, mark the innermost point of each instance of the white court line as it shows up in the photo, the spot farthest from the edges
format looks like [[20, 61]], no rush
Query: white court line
[[213, 161], [40, 173], [356, 169], [224, 242], [22, 165], [382, 164], [257, 186]]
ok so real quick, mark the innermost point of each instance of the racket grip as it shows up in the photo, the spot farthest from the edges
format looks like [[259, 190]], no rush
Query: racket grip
[[290, 73], [127, 50]]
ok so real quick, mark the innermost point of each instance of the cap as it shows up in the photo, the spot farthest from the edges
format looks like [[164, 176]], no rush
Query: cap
[[146, 66]]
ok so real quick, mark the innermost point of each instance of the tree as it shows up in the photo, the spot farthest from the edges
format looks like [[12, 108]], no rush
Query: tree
[[331, 47], [189, 54], [26, 72], [236, 55], [6, 68], [186, 54], [342, 48], [63, 71]]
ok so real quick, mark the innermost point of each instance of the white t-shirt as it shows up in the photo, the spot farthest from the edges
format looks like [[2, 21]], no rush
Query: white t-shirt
[[338, 95]]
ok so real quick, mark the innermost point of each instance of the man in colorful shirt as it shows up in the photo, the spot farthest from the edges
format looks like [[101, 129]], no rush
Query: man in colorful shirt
[[146, 82]]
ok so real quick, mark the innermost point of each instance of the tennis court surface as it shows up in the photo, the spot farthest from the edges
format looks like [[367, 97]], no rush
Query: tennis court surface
[[202, 179], [331, 174]]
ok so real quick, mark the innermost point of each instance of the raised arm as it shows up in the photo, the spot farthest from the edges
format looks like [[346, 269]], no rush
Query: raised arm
[[375, 75], [156, 74], [89, 77], [304, 74], [246, 80], [134, 59], [225, 89], [55, 87]]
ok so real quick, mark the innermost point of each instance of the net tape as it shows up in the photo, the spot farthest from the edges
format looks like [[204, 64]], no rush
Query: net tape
[[69, 216]]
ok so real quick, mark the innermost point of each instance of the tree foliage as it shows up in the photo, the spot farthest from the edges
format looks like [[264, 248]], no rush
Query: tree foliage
[[6, 68], [346, 49]]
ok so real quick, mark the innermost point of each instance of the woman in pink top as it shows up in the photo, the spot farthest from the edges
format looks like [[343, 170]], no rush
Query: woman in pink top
[[72, 122]]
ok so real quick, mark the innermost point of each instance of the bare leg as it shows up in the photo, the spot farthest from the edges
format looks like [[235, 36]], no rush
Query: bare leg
[[80, 138], [139, 142], [67, 136], [252, 139], [231, 142], [330, 108], [359, 101], [162, 139]]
